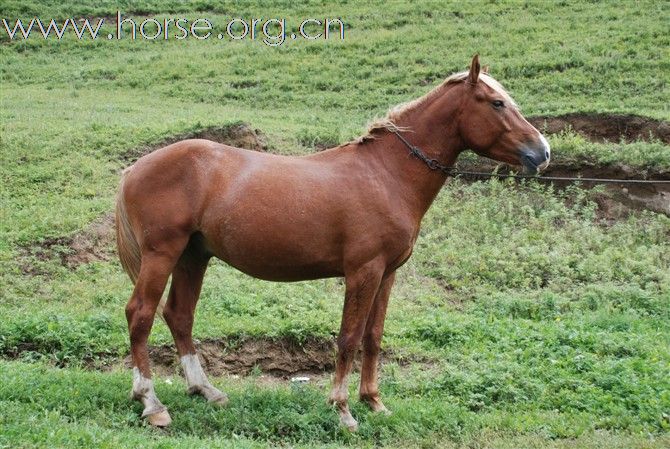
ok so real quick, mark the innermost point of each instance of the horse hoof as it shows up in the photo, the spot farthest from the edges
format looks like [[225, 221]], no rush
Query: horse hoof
[[160, 419], [210, 393], [221, 400], [351, 427], [384, 411], [376, 405], [380, 408], [349, 423]]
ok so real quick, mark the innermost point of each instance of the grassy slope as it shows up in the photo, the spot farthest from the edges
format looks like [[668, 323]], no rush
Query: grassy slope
[[539, 322]]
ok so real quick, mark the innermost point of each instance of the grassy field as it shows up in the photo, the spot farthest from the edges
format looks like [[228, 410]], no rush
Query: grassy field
[[523, 319]]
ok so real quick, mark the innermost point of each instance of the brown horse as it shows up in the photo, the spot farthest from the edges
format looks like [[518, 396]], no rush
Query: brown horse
[[351, 211]]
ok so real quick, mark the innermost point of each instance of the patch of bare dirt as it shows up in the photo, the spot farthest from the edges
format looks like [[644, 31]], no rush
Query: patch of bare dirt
[[278, 357], [93, 243], [273, 359], [606, 127], [618, 200], [240, 135]]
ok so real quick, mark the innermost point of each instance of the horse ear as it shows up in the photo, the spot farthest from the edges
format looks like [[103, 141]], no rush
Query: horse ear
[[485, 69], [473, 76]]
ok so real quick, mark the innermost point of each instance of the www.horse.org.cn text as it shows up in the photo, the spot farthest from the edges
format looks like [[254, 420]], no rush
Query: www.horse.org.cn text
[[272, 32]]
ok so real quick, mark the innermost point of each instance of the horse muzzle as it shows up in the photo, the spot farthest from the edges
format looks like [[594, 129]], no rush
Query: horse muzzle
[[535, 157]]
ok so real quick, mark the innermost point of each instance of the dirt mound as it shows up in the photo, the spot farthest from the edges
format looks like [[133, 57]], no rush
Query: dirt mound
[[240, 135], [606, 127], [618, 199], [278, 358], [281, 357], [93, 243], [274, 358]]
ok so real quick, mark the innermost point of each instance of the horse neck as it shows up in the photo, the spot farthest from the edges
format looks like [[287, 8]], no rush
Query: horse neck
[[432, 127]]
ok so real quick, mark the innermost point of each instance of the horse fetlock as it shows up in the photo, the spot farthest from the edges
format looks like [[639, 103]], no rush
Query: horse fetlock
[[338, 397]]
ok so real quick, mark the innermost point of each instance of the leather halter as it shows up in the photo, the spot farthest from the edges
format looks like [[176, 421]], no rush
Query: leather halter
[[415, 151]]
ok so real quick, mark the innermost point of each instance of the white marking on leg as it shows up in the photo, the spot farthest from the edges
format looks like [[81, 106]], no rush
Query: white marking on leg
[[195, 376], [197, 380], [340, 393], [143, 390], [340, 397]]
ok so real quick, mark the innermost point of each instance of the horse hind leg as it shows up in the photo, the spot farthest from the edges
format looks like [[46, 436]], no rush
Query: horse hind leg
[[179, 312], [140, 311]]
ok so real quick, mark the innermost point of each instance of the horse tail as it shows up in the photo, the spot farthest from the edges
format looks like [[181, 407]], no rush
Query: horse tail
[[126, 242]]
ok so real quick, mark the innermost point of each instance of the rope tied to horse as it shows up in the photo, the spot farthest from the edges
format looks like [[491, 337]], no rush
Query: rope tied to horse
[[434, 164]]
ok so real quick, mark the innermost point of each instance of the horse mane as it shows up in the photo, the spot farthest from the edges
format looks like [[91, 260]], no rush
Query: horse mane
[[389, 121]]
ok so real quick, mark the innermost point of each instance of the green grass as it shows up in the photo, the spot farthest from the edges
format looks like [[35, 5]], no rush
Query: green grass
[[79, 409], [527, 320]]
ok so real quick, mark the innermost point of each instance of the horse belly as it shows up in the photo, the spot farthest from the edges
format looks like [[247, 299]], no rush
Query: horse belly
[[278, 245]]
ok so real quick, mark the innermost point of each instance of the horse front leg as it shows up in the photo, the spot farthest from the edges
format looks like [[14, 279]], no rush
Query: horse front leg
[[361, 287], [374, 328]]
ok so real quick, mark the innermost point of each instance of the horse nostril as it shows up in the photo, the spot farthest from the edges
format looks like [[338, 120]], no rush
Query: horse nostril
[[546, 154]]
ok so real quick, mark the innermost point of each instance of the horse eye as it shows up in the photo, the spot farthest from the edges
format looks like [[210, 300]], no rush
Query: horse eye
[[498, 104]]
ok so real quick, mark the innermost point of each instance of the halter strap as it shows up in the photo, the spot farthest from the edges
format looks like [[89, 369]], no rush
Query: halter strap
[[415, 151]]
